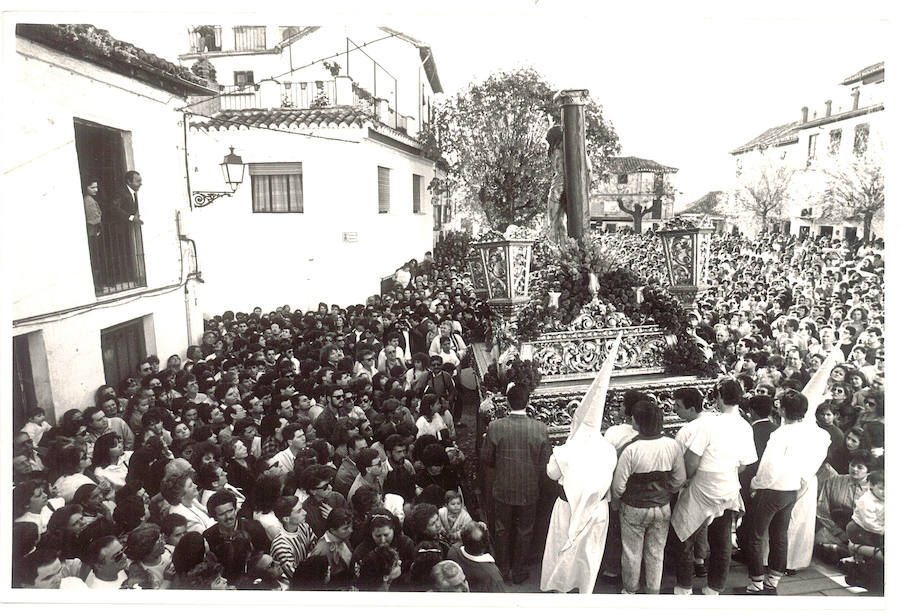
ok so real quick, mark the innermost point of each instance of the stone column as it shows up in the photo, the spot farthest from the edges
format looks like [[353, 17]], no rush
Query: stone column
[[578, 180]]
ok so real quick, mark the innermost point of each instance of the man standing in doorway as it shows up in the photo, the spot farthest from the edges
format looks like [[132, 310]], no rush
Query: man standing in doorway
[[125, 242]]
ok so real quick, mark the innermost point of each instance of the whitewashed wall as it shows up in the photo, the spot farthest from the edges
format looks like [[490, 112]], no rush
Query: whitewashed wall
[[52, 269], [269, 260]]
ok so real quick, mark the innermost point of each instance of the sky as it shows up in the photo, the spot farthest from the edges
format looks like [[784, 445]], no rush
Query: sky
[[683, 83]]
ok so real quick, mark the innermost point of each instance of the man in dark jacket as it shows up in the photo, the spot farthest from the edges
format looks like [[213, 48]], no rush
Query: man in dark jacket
[[517, 448], [476, 562], [232, 539]]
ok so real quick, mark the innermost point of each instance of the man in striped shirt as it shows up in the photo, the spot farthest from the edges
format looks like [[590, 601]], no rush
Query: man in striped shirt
[[296, 539]]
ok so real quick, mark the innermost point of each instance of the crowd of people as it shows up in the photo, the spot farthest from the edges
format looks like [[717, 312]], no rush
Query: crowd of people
[[317, 450]]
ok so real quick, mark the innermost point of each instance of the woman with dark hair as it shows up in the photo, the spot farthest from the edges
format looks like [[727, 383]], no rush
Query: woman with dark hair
[[423, 526], [145, 548], [378, 570], [855, 439], [110, 460], [93, 217], [419, 370], [72, 463], [431, 419], [314, 573], [63, 534], [93, 504], [382, 529], [147, 464], [266, 493], [437, 470], [190, 552], [240, 467]]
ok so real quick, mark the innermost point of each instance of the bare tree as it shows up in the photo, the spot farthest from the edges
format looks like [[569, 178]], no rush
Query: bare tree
[[637, 205], [764, 193], [855, 191]]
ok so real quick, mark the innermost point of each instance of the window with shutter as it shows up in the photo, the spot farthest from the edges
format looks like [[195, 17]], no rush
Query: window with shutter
[[277, 188], [417, 194], [384, 190]]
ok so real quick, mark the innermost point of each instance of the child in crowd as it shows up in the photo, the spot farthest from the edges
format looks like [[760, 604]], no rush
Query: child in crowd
[[35, 424], [866, 527], [453, 516]]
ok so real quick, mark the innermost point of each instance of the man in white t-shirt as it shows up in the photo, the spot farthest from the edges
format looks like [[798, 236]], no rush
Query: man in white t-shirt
[[106, 556], [718, 450]]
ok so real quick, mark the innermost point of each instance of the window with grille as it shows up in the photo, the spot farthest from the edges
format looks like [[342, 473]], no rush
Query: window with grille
[[243, 78], [834, 141], [277, 188], [122, 347], [417, 194], [622, 178], [384, 190], [249, 38], [860, 139]]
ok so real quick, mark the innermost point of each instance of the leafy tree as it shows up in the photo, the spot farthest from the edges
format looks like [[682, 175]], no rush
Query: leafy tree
[[855, 191], [492, 135], [765, 193]]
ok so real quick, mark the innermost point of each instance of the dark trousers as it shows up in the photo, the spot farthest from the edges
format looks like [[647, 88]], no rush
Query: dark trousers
[[771, 511], [718, 534], [513, 531]]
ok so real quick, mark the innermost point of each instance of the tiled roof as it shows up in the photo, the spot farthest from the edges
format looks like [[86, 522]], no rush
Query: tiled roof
[[326, 117], [632, 164], [97, 46], [778, 135], [860, 75], [707, 204]]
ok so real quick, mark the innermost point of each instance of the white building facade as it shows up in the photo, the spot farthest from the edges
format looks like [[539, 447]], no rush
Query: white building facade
[[633, 182], [338, 191], [849, 122], [86, 312]]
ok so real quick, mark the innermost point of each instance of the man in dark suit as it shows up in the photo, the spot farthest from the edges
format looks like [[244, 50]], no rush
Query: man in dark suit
[[517, 448], [759, 410], [123, 241]]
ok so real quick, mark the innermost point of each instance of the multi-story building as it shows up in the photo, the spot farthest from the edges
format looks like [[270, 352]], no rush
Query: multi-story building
[[848, 123], [339, 191], [633, 183], [87, 307]]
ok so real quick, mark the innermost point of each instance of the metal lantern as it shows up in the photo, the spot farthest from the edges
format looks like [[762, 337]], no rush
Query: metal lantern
[[233, 170], [687, 253], [506, 269], [476, 270]]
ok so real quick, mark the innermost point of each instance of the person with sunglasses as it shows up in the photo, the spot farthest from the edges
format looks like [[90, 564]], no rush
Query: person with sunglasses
[[107, 560]]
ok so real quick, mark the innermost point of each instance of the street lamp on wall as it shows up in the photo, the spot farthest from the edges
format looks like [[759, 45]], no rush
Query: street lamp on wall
[[232, 172]]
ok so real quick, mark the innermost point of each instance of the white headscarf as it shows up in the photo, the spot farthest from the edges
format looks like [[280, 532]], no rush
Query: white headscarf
[[577, 459]]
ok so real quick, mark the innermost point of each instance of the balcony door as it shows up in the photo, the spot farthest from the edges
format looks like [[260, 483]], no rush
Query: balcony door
[[117, 253]]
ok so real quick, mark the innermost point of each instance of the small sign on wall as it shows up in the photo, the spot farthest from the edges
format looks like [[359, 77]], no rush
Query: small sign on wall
[[350, 236]]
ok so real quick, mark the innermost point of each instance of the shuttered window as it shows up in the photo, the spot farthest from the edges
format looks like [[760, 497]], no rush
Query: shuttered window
[[277, 188], [384, 190], [417, 194], [122, 347], [249, 38]]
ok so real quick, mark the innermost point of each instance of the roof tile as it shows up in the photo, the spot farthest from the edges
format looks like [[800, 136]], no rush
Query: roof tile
[[327, 117]]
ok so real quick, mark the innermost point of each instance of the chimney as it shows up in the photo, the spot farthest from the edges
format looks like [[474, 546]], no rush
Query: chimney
[[855, 95], [804, 115], [827, 109]]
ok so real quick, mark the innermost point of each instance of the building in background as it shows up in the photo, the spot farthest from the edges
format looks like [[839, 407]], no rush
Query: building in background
[[849, 123], [338, 192], [86, 308], [634, 185]]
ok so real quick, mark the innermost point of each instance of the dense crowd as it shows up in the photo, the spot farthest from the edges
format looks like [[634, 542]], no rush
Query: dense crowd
[[317, 450]]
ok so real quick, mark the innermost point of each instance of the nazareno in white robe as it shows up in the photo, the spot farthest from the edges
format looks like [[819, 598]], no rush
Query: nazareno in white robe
[[577, 534]]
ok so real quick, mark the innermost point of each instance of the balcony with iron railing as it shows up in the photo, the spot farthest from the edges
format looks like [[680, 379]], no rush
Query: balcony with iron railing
[[117, 258]]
